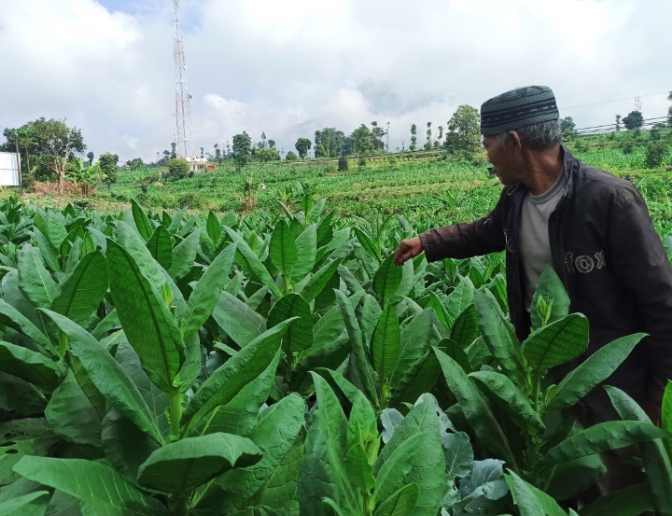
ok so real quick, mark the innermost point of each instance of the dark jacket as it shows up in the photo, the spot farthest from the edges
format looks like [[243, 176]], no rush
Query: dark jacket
[[608, 256]]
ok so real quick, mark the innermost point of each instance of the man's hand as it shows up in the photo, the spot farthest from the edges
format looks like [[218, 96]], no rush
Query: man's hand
[[409, 248]]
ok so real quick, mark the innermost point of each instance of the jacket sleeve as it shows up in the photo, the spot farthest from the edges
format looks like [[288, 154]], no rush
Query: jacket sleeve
[[467, 239], [641, 265]]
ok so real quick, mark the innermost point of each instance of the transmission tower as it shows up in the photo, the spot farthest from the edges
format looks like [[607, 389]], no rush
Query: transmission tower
[[184, 134]]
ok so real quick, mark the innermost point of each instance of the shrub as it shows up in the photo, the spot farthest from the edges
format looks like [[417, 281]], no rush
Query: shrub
[[342, 164], [361, 162], [178, 168], [331, 168], [627, 147], [190, 200], [656, 151], [291, 156]]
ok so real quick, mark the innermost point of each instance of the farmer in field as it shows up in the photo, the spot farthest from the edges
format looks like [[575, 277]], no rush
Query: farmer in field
[[592, 227]]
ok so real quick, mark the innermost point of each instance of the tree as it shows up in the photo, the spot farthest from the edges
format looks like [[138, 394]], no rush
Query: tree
[[242, 150], [90, 156], [618, 123], [56, 144], [464, 129], [135, 163], [669, 112], [428, 145], [656, 151], [271, 144], [362, 140], [178, 168], [377, 134], [266, 155], [303, 146], [633, 120], [108, 164], [328, 142], [173, 152], [414, 138], [342, 164], [218, 153], [263, 140], [202, 155], [291, 156], [439, 137], [567, 127]]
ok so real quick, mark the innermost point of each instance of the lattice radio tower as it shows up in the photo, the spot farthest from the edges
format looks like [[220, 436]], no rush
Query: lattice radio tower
[[184, 133]]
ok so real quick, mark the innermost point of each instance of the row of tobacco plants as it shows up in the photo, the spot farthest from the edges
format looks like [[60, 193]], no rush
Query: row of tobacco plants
[[280, 364]]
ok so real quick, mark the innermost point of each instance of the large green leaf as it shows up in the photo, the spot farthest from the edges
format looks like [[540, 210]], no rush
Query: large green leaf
[[54, 229], [282, 249], [551, 289], [458, 453], [184, 254], [428, 467], [597, 368], [48, 251], [131, 241], [239, 415], [299, 336], [392, 474], [417, 338], [126, 447], [10, 316], [28, 502], [148, 324], [30, 365], [401, 503], [206, 292], [160, 246], [655, 457], [239, 370], [322, 471], [28, 436], [34, 280], [421, 377], [386, 344], [306, 246], [475, 409], [320, 280], [631, 501], [83, 290], [667, 415], [71, 414], [101, 489], [611, 435], [108, 377], [367, 243], [387, 280], [264, 483], [238, 320], [214, 228], [363, 366], [190, 462], [460, 298], [465, 327], [254, 262], [499, 335], [503, 392], [142, 223], [557, 343], [528, 504]]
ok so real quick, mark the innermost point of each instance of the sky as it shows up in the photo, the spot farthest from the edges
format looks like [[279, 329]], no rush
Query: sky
[[289, 68]]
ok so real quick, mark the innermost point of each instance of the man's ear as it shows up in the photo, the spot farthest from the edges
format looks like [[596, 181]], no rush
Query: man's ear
[[514, 142]]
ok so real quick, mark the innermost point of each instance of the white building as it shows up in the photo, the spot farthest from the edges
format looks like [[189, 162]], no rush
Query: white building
[[200, 164]]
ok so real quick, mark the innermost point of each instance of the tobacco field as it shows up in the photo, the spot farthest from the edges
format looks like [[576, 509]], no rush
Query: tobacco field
[[280, 364]]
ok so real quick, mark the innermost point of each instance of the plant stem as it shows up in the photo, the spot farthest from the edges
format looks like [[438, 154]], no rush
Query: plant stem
[[175, 410]]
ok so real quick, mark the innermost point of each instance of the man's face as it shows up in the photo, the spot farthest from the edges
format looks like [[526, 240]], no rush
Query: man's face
[[505, 161]]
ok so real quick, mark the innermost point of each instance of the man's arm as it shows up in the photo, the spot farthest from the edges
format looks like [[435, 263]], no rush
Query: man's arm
[[639, 261], [467, 239]]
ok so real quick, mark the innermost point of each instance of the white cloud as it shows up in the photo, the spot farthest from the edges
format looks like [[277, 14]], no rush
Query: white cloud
[[288, 68]]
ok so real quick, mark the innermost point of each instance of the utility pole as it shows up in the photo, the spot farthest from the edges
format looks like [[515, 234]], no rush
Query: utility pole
[[184, 133], [18, 163]]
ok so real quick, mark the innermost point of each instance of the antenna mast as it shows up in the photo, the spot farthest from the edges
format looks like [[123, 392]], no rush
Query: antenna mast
[[184, 134]]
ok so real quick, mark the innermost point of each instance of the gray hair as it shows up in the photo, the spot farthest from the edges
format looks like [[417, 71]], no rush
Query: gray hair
[[541, 136]]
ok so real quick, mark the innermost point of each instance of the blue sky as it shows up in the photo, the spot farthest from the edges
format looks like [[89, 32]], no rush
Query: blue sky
[[289, 68]]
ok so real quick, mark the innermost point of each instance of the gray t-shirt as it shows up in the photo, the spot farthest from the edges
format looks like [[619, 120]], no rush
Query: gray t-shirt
[[535, 248]]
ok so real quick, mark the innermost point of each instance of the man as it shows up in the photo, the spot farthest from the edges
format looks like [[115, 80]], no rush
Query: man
[[592, 227]]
